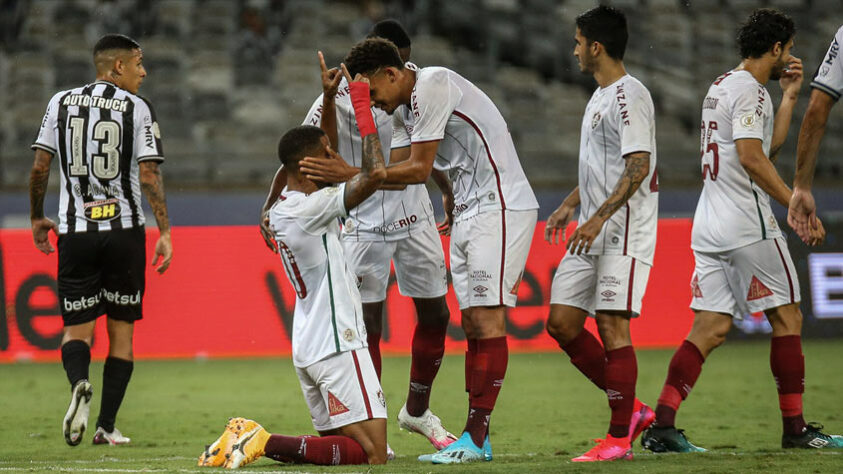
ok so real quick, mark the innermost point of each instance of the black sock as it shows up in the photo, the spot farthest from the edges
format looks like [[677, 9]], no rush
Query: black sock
[[115, 379], [76, 357]]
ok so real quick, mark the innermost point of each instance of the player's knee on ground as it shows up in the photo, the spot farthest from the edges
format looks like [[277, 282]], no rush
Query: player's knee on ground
[[786, 320], [371, 435]]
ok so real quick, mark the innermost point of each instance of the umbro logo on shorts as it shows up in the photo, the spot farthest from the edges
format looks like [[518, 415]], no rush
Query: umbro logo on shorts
[[480, 289]]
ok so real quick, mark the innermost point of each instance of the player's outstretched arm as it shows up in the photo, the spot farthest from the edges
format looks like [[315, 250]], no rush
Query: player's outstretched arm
[[417, 167], [152, 184], [802, 210], [554, 228], [761, 169], [635, 171], [278, 183], [790, 82], [38, 179], [373, 170]]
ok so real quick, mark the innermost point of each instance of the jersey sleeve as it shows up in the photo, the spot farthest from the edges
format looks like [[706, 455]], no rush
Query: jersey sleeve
[[636, 121], [747, 113], [829, 75], [433, 101], [314, 115], [148, 146], [46, 139], [321, 209], [400, 136]]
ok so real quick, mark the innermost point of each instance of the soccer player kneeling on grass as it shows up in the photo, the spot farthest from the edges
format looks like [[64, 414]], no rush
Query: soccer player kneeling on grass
[[334, 367], [742, 262]]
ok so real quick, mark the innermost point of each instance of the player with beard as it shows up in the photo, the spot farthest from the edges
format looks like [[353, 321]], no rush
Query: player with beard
[[610, 254], [742, 262]]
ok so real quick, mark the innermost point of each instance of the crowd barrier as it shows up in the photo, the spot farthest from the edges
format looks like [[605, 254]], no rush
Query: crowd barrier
[[226, 295]]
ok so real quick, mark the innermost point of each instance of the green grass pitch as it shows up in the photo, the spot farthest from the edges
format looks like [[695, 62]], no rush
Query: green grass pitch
[[547, 413]]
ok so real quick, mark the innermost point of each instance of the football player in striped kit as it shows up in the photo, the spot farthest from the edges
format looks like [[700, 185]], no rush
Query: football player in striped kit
[[605, 271], [742, 264], [109, 148], [827, 87]]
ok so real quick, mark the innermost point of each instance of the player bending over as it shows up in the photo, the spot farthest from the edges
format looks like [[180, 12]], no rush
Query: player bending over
[[337, 376], [610, 254], [742, 262], [442, 120]]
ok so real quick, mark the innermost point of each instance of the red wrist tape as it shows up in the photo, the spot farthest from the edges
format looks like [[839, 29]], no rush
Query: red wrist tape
[[361, 102]]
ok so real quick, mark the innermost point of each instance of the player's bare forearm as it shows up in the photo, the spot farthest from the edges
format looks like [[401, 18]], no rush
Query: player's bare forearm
[[442, 181], [635, 172], [152, 184], [328, 122], [810, 136], [781, 125], [573, 198], [416, 168], [762, 171], [39, 177], [372, 173], [278, 183]]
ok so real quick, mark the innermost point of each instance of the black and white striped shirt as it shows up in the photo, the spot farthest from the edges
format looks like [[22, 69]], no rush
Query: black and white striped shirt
[[100, 133]]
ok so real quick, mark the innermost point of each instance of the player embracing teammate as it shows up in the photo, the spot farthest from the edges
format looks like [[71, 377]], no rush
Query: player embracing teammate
[[742, 261]]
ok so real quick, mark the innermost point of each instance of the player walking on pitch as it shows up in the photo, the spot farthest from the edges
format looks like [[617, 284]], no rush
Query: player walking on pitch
[[828, 86], [334, 367], [109, 148], [441, 120], [606, 268], [742, 262], [390, 226]]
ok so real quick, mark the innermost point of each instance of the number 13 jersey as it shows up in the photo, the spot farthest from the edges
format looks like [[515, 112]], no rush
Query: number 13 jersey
[[733, 211], [100, 133]]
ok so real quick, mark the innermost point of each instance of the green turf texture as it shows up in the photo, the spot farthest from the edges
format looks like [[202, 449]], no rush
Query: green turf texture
[[547, 413]]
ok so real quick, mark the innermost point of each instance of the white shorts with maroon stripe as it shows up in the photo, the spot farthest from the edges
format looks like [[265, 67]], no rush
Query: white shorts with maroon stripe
[[597, 283], [488, 255], [342, 389], [745, 280]]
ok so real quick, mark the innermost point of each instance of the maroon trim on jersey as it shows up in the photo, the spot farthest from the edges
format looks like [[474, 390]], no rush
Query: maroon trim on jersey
[[362, 385], [786, 271], [489, 154], [425, 141], [626, 230], [631, 286]]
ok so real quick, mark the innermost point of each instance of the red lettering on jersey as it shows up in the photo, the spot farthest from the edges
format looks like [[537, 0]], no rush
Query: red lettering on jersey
[[710, 169], [335, 406], [720, 79], [757, 290]]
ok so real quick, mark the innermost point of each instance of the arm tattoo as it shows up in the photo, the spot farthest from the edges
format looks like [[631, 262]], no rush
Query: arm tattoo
[[636, 170], [38, 179], [362, 185], [154, 191]]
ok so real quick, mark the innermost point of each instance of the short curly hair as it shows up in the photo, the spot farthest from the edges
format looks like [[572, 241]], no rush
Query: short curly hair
[[372, 54], [762, 30]]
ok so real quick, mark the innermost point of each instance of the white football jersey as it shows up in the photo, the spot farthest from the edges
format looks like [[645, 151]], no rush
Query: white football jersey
[[732, 211], [386, 215], [328, 317], [829, 76], [475, 146], [619, 120]]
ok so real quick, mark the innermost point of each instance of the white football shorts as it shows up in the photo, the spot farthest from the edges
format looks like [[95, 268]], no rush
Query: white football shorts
[[745, 280], [488, 255], [600, 283], [419, 265], [342, 389]]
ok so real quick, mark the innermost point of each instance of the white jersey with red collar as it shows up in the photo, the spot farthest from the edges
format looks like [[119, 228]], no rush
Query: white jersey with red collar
[[385, 215], [328, 318], [619, 120], [475, 146], [733, 211]]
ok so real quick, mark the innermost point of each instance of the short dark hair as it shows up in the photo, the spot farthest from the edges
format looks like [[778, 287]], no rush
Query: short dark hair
[[115, 41], [762, 30], [391, 30], [607, 26], [372, 54], [295, 144]]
